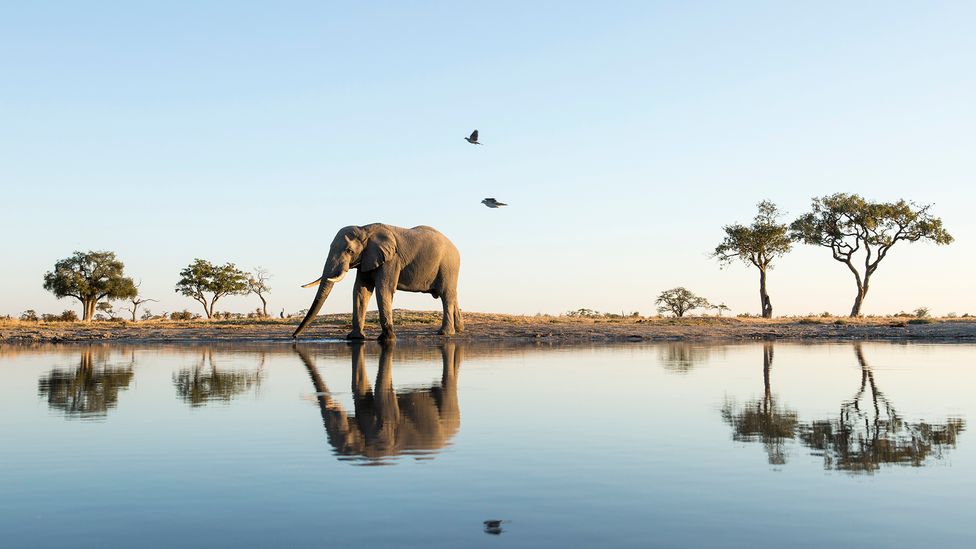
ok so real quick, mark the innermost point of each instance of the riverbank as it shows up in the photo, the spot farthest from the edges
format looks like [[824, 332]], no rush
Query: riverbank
[[421, 326]]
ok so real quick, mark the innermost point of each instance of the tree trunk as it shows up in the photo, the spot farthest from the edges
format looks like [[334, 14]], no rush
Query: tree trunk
[[767, 305], [264, 305], [88, 309], [862, 292]]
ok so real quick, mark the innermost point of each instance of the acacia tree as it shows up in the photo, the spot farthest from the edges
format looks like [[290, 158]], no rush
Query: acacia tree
[[757, 244], [850, 226], [202, 277], [89, 277], [679, 301], [257, 284]]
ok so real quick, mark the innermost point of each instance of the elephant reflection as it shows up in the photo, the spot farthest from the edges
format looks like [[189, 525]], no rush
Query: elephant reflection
[[386, 423], [867, 433], [870, 432], [763, 419], [91, 389], [200, 385]]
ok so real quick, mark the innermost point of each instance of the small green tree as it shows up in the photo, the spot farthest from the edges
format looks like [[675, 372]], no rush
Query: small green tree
[[850, 225], [679, 301], [757, 244], [89, 277], [202, 277]]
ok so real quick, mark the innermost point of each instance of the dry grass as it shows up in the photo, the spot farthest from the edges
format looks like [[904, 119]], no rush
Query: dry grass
[[494, 326]]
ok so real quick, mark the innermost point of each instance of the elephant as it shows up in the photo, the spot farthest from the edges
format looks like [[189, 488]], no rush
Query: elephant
[[389, 258], [385, 422]]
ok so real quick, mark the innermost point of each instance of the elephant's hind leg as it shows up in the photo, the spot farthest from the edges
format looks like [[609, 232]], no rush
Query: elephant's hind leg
[[458, 321], [449, 322]]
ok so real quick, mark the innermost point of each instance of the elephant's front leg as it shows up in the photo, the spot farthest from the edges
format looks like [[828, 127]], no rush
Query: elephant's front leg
[[386, 283], [361, 293]]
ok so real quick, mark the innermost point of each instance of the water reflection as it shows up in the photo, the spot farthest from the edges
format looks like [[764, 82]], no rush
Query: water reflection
[[202, 384], [763, 419], [89, 390], [867, 433], [385, 423], [681, 358]]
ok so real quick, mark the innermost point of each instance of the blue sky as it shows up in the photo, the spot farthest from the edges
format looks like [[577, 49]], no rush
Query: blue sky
[[623, 136]]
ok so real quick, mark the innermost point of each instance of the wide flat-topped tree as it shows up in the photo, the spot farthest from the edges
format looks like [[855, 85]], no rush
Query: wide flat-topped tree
[[90, 277], [851, 226]]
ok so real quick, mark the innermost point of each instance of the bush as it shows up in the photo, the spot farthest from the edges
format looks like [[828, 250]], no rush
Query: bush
[[181, 315], [809, 320], [920, 321], [30, 315], [840, 322], [825, 314], [65, 316], [951, 315], [922, 312]]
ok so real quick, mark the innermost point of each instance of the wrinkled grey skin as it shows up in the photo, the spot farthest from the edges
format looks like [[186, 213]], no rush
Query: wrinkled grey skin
[[387, 259]]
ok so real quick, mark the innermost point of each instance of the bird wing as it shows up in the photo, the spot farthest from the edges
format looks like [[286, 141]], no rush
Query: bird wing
[[474, 135]]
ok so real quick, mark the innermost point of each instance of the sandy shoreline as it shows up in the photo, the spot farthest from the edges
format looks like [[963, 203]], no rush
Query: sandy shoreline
[[420, 327]]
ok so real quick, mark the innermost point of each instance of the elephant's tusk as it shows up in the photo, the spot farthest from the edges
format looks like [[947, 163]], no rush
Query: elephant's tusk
[[337, 278], [313, 283]]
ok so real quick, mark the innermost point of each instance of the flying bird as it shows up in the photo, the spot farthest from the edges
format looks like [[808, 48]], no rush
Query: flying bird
[[492, 203], [473, 139]]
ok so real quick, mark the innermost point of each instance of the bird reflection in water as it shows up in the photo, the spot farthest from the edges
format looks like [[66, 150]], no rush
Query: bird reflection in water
[[386, 423], [91, 389], [867, 433]]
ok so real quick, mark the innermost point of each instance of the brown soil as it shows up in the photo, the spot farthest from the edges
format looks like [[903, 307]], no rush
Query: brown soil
[[421, 326]]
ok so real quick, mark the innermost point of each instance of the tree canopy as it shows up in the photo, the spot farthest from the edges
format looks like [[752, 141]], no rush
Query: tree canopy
[[850, 226], [202, 277], [757, 244], [90, 277], [679, 301]]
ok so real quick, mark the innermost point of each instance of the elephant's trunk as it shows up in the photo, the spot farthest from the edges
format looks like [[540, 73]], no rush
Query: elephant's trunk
[[320, 296]]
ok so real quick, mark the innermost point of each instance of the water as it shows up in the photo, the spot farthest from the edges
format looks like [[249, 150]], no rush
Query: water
[[852, 445]]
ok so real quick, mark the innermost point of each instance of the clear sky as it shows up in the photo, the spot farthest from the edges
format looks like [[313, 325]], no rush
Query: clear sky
[[624, 135]]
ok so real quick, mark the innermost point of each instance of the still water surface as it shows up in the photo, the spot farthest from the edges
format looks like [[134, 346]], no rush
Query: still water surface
[[852, 445]]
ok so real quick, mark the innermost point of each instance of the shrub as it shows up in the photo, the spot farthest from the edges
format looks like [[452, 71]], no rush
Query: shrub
[[30, 315], [951, 315], [181, 315], [809, 320], [922, 312], [825, 314], [65, 316], [920, 321], [840, 322]]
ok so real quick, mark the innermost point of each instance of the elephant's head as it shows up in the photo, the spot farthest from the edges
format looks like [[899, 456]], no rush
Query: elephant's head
[[364, 248]]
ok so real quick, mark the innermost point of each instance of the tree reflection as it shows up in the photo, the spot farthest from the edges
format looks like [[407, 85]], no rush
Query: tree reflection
[[205, 383], [89, 390], [681, 358], [763, 419], [386, 423], [869, 432]]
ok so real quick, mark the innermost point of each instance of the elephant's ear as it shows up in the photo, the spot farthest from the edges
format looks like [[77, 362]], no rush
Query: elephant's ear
[[379, 249]]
